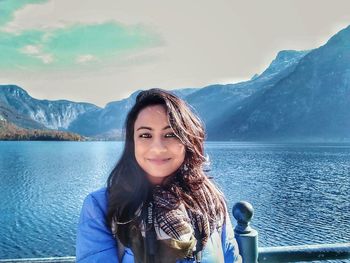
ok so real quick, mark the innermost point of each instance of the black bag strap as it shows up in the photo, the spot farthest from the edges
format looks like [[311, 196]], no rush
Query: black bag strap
[[121, 250], [150, 232], [197, 254]]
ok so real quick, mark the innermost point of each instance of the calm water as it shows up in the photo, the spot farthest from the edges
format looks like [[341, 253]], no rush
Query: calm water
[[300, 193]]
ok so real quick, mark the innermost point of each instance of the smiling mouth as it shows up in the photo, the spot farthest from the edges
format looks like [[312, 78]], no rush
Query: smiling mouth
[[159, 161]]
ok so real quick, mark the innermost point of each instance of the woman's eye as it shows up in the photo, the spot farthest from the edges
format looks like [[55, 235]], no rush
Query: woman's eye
[[145, 135], [170, 135]]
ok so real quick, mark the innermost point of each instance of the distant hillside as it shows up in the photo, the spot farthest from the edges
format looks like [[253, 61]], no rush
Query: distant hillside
[[311, 103], [108, 122], [86, 119], [58, 114], [12, 116], [213, 101], [12, 132], [14, 126]]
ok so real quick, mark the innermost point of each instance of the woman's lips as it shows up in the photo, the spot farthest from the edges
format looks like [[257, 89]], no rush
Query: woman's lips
[[159, 161]]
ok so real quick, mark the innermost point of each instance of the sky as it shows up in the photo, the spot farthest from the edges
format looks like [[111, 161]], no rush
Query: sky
[[102, 51]]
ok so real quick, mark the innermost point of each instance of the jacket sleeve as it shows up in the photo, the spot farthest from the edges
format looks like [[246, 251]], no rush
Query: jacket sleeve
[[229, 243], [95, 242]]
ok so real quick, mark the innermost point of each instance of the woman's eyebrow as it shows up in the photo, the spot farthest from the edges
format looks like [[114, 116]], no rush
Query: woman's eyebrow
[[149, 128]]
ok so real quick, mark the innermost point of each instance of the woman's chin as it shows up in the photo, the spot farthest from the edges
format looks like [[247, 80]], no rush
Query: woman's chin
[[158, 179]]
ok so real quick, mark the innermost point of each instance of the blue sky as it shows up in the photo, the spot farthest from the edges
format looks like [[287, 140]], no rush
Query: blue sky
[[100, 51], [74, 45]]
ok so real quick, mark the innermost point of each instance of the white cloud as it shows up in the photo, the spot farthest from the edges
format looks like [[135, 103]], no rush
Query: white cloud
[[31, 50], [46, 58], [206, 41], [83, 59], [36, 52]]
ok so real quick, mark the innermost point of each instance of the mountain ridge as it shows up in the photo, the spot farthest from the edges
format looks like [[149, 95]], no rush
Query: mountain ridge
[[300, 96], [309, 104]]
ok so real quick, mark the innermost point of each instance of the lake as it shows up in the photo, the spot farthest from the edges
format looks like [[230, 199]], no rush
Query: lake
[[300, 192]]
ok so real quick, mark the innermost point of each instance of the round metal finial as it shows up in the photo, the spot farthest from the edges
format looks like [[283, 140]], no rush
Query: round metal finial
[[243, 213]]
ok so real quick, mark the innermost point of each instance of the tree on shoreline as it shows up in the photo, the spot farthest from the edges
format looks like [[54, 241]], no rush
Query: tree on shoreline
[[11, 132]]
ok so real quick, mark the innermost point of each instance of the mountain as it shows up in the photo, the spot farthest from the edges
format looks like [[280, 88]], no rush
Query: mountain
[[24, 111], [183, 93], [310, 103], [108, 122], [301, 96], [56, 115], [223, 97], [10, 115], [12, 123]]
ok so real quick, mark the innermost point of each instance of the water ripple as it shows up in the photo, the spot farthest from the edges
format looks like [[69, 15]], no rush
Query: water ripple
[[300, 193]]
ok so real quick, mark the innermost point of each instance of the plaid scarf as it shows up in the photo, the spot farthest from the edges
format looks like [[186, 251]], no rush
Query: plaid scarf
[[186, 231], [170, 216]]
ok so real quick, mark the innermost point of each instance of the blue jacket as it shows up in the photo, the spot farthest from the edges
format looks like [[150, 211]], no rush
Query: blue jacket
[[95, 242]]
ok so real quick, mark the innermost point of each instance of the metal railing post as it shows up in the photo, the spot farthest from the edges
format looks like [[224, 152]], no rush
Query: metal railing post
[[246, 236]]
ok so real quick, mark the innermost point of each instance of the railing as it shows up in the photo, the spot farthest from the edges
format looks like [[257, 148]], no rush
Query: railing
[[41, 260], [247, 239], [305, 253]]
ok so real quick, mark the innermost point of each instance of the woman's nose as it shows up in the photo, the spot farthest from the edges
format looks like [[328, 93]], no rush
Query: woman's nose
[[158, 145]]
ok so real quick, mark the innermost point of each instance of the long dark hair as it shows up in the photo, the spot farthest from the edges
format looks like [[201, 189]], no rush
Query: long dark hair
[[127, 185]]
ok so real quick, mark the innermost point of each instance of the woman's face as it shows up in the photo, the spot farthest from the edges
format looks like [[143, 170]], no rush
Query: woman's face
[[157, 149]]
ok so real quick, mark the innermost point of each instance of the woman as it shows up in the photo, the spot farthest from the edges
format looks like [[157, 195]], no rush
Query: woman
[[159, 205]]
